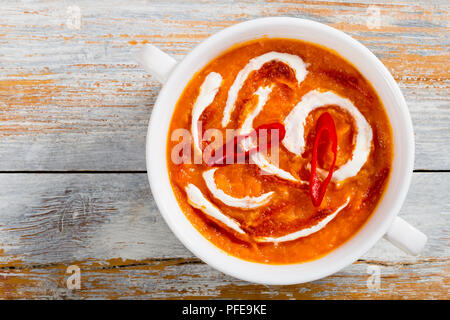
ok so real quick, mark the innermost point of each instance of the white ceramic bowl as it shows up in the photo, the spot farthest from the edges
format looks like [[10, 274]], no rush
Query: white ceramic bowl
[[382, 223]]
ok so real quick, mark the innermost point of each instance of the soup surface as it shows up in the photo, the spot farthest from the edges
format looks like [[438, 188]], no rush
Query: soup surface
[[261, 209]]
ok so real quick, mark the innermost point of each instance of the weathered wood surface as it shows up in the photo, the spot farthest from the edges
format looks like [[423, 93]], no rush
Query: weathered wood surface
[[73, 99], [76, 100], [108, 225]]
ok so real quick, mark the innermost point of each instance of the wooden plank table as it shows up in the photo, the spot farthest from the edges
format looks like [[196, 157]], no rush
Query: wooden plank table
[[74, 108]]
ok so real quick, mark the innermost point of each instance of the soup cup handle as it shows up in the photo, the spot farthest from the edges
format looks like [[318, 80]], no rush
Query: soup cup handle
[[406, 237], [158, 63]]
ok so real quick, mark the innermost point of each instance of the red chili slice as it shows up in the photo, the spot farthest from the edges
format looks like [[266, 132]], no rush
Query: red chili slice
[[235, 147], [324, 127]]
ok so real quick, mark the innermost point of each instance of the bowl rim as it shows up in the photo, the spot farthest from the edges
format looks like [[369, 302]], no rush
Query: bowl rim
[[217, 258]]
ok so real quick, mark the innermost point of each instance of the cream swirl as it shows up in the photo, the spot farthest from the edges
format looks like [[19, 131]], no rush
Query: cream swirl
[[293, 61]]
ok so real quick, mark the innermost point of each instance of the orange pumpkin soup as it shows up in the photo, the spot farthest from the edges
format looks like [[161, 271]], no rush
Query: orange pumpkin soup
[[268, 208]]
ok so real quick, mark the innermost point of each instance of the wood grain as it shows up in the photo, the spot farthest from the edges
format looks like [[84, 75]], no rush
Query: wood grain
[[75, 99], [109, 226], [191, 279]]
